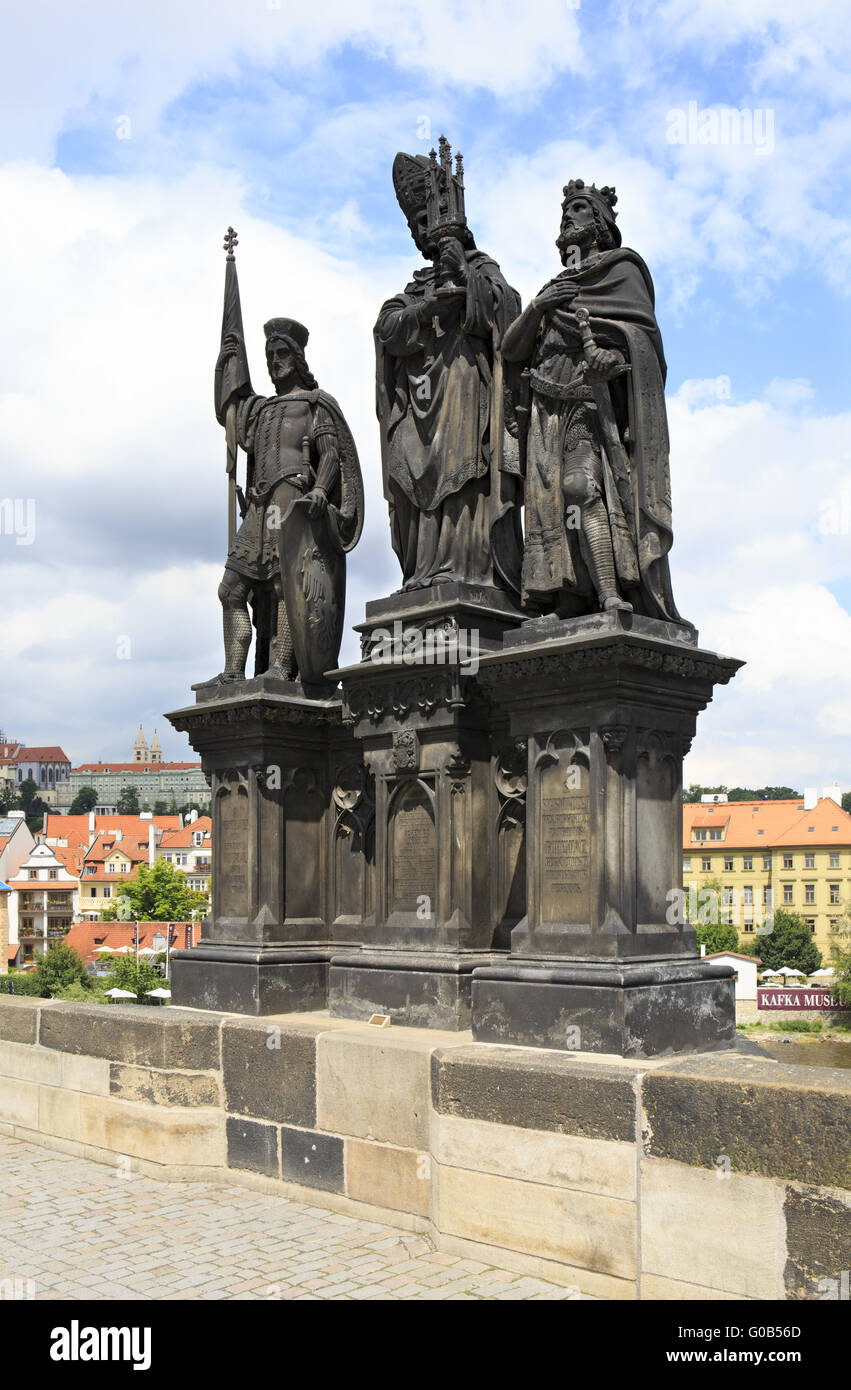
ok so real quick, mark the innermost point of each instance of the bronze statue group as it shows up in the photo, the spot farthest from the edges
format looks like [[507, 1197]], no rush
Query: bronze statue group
[[523, 450]]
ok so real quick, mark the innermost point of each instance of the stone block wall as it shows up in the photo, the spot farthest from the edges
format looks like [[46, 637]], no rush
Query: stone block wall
[[717, 1176]]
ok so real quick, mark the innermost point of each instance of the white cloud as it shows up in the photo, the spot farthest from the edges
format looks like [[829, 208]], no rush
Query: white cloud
[[134, 60], [111, 331], [753, 570]]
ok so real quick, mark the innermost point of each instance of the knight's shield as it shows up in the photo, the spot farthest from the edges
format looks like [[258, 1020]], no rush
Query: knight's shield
[[314, 582]]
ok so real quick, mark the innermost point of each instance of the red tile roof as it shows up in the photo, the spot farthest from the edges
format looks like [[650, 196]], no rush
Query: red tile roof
[[713, 955], [104, 844], [41, 755], [782, 823], [71, 858], [135, 767], [85, 937], [182, 839], [75, 829]]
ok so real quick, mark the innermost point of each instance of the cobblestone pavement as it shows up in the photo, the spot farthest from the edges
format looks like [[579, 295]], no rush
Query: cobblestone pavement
[[71, 1228]]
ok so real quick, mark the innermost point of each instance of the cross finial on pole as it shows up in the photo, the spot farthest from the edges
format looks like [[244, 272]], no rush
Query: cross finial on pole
[[230, 241]]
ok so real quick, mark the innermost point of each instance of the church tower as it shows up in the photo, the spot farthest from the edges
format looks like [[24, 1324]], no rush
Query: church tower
[[140, 748], [156, 749]]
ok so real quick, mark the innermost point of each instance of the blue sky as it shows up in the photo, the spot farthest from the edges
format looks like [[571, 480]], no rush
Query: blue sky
[[132, 136]]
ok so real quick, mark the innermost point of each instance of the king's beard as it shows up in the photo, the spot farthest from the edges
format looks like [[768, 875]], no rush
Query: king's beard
[[584, 238]]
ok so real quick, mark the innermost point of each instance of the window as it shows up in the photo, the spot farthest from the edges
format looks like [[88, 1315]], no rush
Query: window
[[747, 862], [748, 895], [53, 873], [123, 868], [766, 894], [809, 892], [788, 861], [706, 865], [788, 893], [834, 894], [834, 924], [766, 863], [748, 926], [760, 832], [811, 923], [107, 892], [686, 863], [809, 861], [728, 864], [834, 860], [32, 873]]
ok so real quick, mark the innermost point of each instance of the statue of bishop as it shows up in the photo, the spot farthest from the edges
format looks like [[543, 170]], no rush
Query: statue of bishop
[[450, 464]]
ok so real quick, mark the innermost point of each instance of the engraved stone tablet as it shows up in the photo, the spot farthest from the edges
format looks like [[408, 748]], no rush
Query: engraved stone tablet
[[564, 838], [412, 852], [231, 889]]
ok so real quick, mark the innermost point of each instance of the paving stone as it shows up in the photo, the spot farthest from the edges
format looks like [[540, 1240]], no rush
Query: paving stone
[[79, 1233]]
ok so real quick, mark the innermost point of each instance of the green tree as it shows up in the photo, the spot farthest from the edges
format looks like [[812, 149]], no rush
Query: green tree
[[59, 967], [721, 937], [128, 802], [86, 800], [840, 953], [160, 808], [31, 804], [7, 797], [158, 894], [139, 977], [789, 943], [846, 801]]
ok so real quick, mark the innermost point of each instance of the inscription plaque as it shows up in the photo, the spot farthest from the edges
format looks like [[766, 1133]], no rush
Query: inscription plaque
[[565, 835], [232, 834], [413, 853]]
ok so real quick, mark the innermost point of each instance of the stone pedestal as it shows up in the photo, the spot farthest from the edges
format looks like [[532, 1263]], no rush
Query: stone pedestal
[[606, 707], [426, 736], [271, 755]]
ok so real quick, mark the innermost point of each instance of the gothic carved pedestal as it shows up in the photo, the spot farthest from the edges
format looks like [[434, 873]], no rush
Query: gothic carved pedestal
[[607, 708], [272, 757], [426, 737]]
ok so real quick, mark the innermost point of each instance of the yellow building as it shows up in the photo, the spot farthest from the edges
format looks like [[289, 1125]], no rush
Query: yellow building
[[798, 852]]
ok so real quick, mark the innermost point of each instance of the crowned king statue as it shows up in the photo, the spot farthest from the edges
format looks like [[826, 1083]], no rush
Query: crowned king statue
[[592, 425]]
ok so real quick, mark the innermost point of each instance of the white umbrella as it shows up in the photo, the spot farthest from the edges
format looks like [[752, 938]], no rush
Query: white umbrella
[[121, 994], [828, 970], [789, 972], [101, 950], [148, 951], [159, 993], [766, 974]]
